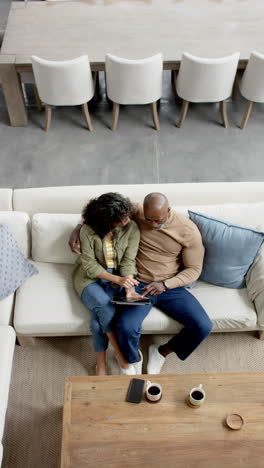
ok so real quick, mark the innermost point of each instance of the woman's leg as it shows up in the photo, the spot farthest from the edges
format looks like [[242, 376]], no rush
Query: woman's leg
[[100, 343], [98, 300], [101, 363]]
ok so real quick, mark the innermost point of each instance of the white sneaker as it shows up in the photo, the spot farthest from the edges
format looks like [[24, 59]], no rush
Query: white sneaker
[[138, 365], [129, 371], [155, 360]]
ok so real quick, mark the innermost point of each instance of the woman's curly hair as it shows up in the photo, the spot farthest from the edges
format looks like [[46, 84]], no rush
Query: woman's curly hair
[[103, 212]]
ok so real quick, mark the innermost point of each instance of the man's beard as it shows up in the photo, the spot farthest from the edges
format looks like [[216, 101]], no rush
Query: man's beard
[[157, 228]]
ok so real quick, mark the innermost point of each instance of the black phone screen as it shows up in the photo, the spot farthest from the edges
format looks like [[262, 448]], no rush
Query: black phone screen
[[135, 390]]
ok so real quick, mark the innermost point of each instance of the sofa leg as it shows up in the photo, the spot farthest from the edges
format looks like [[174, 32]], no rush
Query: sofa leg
[[260, 334], [26, 340]]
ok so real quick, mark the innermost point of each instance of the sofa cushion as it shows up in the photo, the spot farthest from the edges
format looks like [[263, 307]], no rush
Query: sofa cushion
[[14, 267], [47, 305], [7, 345], [19, 225], [230, 250], [50, 237], [50, 231], [6, 310], [246, 214], [6, 199]]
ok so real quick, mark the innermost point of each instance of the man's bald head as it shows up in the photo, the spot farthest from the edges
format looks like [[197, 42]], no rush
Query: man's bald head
[[156, 209]]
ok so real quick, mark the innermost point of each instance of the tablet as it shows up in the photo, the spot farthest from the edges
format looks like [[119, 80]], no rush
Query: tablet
[[123, 301]]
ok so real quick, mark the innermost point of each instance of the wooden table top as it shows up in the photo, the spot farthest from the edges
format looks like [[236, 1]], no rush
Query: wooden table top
[[133, 29], [101, 429]]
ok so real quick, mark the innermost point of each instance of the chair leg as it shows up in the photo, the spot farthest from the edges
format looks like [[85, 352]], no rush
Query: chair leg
[[96, 86], [246, 114], [235, 87], [38, 101], [48, 112], [224, 113], [184, 110], [155, 115], [115, 115], [87, 116]]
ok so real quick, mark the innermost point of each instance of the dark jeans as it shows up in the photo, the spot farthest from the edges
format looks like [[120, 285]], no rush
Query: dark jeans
[[179, 304]]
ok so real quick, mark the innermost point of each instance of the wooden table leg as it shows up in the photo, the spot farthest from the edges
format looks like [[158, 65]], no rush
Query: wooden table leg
[[12, 92]]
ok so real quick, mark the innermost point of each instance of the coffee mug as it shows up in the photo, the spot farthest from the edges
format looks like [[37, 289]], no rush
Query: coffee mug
[[153, 391], [197, 396]]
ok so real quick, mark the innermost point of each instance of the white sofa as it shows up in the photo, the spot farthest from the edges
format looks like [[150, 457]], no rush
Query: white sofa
[[41, 220], [47, 305]]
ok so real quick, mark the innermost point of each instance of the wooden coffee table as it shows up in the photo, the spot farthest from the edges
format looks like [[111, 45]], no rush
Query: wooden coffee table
[[102, 430]]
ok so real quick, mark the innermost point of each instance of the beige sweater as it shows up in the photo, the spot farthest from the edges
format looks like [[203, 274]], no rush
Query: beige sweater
[[174, 253]]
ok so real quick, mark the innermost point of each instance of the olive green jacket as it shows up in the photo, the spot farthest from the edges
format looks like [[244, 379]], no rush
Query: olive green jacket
[[92, 261]]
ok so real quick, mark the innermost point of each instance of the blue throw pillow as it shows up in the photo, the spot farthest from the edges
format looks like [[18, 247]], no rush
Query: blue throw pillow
[[14, 267], [230, 250]]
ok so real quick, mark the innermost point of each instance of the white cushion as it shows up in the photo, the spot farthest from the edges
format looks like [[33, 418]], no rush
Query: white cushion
[[7, 345], [246, 214], [6, 199], [19, 225], [6, 310], [72, 199], [50, 237], [48, 305], [51, 232], [227, 308]]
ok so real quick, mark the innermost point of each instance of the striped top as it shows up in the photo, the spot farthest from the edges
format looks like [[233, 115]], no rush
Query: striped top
[[110, 254]]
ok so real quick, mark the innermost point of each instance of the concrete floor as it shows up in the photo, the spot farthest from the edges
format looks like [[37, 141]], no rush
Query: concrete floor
[[69, 154]]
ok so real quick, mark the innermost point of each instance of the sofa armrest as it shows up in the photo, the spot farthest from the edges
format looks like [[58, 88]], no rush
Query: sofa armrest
[[255, 285]]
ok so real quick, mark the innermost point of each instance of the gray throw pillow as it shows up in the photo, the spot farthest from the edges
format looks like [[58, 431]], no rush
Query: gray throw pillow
[[15, 269]]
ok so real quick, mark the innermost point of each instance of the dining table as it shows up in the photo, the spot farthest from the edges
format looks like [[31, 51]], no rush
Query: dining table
[[133, 29]]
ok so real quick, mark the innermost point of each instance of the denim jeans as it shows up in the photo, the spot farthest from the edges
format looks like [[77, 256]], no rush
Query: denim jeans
[[97, 298], [179, 304]]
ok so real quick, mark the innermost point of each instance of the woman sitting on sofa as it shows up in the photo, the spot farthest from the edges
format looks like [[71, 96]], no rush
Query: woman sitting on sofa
[[109, 244]]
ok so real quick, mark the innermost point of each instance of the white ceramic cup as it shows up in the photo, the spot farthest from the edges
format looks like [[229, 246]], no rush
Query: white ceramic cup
[[153, 391], [193, 396]]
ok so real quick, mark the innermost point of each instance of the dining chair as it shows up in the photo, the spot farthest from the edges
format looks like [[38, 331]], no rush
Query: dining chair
[[134, 82], [64, 83], [206, 80], [252, 84]]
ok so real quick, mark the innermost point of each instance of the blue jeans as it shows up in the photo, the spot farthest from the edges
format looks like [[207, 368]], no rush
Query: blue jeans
[[97, 298], [180, 305]]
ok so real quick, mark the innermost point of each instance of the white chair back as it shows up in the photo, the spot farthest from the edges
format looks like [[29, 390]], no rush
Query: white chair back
[[134, 81], [252, 82], [63, 83], [206, 80]]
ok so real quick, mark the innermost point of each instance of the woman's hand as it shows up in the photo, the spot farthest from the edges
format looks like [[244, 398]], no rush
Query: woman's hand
[[127, 282], [132, 295]]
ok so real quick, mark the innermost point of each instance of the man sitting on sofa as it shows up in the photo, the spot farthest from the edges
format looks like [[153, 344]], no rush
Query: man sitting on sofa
[[170, 256]]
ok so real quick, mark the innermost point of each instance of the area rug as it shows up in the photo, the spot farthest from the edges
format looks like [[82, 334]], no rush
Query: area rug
[[32, 436]]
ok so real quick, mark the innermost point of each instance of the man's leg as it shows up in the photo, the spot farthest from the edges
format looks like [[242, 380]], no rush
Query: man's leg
[[182, 306]]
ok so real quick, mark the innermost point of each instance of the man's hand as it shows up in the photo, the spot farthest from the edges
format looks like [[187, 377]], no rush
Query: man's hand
[[154, 288], [74, 241]]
